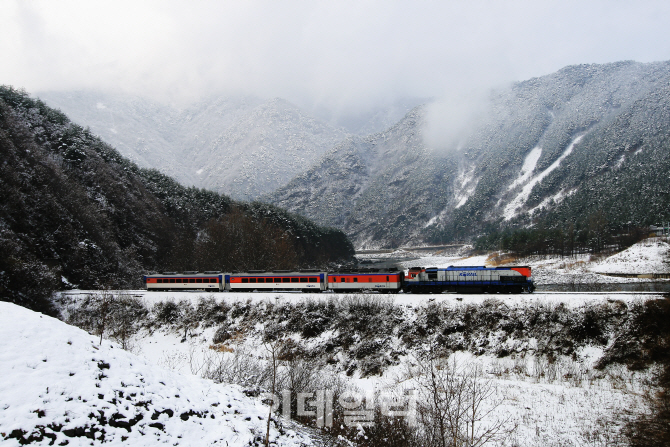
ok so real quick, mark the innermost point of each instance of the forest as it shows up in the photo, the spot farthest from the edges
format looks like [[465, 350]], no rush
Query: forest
[[76, 214]]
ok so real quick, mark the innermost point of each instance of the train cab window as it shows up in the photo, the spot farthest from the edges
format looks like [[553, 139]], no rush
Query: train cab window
[[295, 279], [286, 280], [312, 280], [252, 279], [245, 280]]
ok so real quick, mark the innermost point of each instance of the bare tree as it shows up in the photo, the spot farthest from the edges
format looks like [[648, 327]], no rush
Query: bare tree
[[126, 316], [103, 307], [273, 346], [457, 405]]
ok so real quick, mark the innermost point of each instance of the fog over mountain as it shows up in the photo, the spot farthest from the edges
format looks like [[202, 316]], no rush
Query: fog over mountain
[[563, 145], [587, 139]]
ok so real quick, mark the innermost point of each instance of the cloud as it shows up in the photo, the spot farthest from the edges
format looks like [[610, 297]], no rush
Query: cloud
[[343, 56]]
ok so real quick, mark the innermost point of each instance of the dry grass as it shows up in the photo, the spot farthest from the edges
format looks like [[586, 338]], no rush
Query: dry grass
[[571, 265], [221, 348], [498, 259]]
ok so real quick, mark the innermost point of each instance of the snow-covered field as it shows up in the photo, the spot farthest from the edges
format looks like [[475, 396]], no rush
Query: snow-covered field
[[58, 384]]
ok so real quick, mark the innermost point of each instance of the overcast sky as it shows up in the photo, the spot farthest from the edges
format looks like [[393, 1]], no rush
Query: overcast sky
[[339, 55]]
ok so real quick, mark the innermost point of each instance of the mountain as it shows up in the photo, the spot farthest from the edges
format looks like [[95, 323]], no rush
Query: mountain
[[588, 140], [375, 187], [75, 213], [586, 144], [242, 147]]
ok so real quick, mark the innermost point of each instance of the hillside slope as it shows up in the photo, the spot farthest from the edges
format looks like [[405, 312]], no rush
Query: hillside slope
[[243, 147], [376, 188], [61, 387], [76, 213], [557, 149]]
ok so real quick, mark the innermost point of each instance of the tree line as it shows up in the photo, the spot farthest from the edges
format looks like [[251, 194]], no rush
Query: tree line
[[594, 234]]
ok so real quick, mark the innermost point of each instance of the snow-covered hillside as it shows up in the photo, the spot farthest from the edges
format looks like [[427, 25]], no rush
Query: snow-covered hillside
[[58, 386], [650, 256], [561, 147], [240, 146]]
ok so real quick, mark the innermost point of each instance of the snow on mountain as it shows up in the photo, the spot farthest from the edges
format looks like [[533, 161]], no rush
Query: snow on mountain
[[242, 147], [510, 210], [559, 147], [587, 138], [59, 386]]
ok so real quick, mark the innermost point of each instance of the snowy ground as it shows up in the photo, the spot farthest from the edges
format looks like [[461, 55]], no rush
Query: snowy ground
[[57, 380], [573, 404], [59, 386]]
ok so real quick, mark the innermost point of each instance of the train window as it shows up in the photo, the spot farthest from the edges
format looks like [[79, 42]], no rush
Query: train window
[[191, 280], [261, 279], [245, 280], [252, 279], [277, 279], [355, 279], [159, 280], [295, 279], [312, 280], [198, 280], [303, 279], [184, 280], [286, 280], [387, 279], [343, 279]]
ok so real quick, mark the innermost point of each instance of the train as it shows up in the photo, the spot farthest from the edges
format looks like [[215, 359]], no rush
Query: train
[[470, 279]]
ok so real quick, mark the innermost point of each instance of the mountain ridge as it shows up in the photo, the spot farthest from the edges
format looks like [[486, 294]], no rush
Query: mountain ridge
[[525, 160], [557, 125]]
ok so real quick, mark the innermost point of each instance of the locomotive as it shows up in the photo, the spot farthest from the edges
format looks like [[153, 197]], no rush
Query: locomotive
[[476, 279]]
